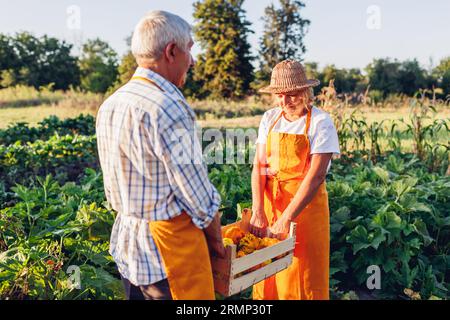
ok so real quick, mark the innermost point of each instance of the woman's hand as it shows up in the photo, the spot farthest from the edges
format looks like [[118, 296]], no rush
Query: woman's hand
[[258, 223], [280, 228]]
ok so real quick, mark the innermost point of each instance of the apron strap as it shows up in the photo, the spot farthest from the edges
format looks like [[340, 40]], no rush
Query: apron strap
[[308, 121], [276, 180], [307, 125], [148, 81], [275, 122]]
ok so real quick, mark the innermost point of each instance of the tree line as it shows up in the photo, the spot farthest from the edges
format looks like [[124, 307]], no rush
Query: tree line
[[225, 68]]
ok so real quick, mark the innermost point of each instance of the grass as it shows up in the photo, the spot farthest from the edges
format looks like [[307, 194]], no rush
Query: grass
[[25, 104], [63, 110], [23, 96], [33, 115]]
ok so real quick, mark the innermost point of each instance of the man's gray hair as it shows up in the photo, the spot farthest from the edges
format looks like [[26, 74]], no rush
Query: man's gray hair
[[154, 31]]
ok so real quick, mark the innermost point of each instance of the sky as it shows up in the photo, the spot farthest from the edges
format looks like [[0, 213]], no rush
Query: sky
[[346, 33]]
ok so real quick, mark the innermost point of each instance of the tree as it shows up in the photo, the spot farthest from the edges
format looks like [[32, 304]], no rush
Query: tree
[[411, 77], [98, 66], [46, 60], [345, 80], [383, 75], [284, 31], [193, 88], [224, 68], [330, 72], [31, 57], [312, 70], [355, 81], [37, 62], [125, 70], [389, 76], [442, 75], [8, 61], [127, 65]]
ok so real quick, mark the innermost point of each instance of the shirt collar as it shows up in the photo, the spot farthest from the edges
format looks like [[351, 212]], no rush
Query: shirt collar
[[165, 84]]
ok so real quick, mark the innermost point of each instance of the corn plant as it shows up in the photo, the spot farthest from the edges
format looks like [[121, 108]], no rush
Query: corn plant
[[420, 110]]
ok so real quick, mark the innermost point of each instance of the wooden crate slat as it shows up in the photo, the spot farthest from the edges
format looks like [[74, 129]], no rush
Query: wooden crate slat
[[221, 268], [242, 283], [223, 265], [224, 269], [262, 255]]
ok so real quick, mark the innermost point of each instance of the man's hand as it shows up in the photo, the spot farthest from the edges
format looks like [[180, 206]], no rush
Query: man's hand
[[258, 223], [216, 248], [213, 234]]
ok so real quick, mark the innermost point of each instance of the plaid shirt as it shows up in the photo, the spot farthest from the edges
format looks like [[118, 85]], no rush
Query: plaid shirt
[[152, 169]]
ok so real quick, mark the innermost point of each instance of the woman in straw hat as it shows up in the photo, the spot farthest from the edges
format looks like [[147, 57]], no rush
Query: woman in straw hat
[[294, 148]]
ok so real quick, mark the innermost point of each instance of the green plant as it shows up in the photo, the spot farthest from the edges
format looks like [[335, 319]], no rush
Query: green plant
[[51, 228]]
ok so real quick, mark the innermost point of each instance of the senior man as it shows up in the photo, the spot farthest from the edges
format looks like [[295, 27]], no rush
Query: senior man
[[154, 176]]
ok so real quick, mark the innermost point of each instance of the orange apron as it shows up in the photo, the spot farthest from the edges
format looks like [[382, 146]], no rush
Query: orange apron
[[184, 252], [288, 159], [186, 258]]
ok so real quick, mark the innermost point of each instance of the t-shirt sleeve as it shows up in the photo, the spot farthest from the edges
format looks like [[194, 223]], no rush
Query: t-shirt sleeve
[[263, 130], [325, 139]]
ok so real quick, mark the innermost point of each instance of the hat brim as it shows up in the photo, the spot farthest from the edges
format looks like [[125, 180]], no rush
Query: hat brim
[[309, 83]]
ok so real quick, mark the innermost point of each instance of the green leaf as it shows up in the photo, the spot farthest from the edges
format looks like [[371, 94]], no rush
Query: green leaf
[[240, 207], [393, 220], [339, 189], [418, 206], [342, 214], [334, 270], [382, 174], [404, 186], [408, 229], [376, 239], [421, 229], [389, 265], [446, 222], [388, 220], [358, 238]]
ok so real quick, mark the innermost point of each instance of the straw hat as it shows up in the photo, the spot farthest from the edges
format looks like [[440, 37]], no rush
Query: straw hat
[[288, 76]]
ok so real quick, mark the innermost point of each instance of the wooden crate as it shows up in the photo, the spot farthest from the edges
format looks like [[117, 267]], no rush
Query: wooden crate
[[227, 272]]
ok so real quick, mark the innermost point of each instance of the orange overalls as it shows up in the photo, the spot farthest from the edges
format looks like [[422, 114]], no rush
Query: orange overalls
[[184, 252], [288, 160]]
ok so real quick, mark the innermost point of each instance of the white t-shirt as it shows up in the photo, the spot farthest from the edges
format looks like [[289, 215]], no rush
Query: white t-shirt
[[322, 133]]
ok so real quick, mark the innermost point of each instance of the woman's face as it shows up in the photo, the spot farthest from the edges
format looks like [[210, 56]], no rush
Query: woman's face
[[293, 103]]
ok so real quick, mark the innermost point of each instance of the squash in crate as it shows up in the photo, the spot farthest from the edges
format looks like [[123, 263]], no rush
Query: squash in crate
[[249, 259]]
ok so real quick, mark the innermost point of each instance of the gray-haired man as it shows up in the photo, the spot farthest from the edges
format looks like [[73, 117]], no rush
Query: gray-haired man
[[167, 208]]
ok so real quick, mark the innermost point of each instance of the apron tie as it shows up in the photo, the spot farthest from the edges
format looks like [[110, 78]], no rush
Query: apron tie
[[277, 192]]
